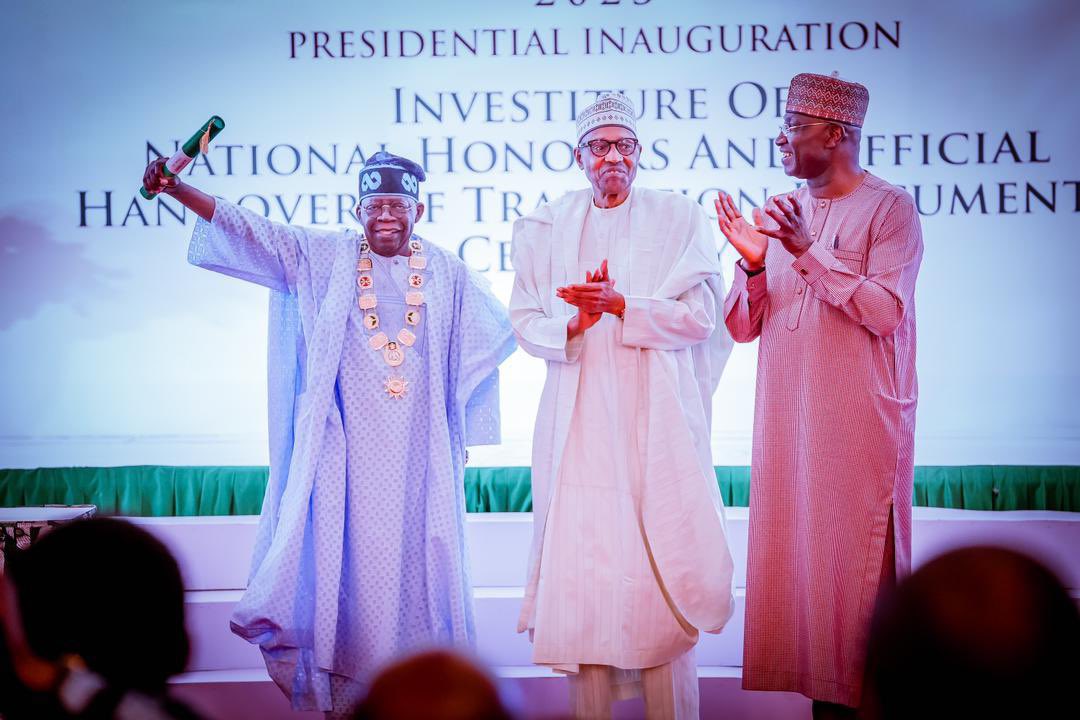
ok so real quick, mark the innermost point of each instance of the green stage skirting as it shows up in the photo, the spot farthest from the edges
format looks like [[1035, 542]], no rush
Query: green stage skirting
[[154, 490]]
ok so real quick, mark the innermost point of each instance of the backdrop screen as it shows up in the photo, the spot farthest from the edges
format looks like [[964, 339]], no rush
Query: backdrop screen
[[116, 351]]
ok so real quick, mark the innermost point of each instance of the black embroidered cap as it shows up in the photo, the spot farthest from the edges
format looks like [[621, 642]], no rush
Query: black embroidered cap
[[388, 174]]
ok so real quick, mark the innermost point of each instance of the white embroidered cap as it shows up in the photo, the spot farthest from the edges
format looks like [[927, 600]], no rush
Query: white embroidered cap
[[609, 109]]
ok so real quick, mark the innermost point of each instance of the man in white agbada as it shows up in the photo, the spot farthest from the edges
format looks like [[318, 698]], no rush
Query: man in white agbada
[[383, 367], [617, 289]]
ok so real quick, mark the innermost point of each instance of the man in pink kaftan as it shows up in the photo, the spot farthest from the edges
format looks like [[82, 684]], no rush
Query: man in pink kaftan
[[826, 281]]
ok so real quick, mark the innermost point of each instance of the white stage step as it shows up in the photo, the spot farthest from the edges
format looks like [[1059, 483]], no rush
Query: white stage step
[[215, 648], [214, 554]]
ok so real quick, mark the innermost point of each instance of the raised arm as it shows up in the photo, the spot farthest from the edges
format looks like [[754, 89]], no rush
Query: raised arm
[[670, 323], [539, 332], [190, 197], [879, 299], [232, 240], [744, 307]]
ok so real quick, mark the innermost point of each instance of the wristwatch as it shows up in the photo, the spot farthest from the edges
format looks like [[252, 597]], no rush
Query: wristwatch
[[751, 273]]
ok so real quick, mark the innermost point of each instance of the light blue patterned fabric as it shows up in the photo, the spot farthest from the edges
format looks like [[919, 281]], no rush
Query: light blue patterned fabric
[[360, 550]]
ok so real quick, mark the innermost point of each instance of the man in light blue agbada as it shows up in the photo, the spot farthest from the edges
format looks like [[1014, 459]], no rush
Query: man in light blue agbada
[[383, 367]]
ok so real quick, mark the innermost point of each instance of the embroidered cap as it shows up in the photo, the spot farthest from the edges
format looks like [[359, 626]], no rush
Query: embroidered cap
[[609, 109], [388, 174], [828, 97]]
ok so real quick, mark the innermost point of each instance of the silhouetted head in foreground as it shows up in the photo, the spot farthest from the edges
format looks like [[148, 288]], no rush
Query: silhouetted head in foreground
[[980, 632], [109, 592], [435, 685]]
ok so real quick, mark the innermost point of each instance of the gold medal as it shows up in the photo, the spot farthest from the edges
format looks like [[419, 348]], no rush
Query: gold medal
[[392, 353], [396, 387]]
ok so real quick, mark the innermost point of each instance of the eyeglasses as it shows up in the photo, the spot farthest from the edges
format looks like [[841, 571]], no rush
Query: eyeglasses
[[397, 209], [600, 148], [789, 129]]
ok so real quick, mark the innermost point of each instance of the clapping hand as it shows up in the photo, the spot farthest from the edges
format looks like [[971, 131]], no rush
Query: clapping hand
[[597, 295], [592, 299], [750, 241], [790, 229]]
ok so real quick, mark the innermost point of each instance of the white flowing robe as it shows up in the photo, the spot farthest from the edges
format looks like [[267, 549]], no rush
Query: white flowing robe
[[360, 552], [626, 570]]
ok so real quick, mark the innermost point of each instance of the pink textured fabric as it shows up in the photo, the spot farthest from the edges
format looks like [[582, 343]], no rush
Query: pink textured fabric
[[833, 437], [828, 97]]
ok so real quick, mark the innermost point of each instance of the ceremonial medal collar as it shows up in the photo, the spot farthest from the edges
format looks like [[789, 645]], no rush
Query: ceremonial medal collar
[[393, 351]]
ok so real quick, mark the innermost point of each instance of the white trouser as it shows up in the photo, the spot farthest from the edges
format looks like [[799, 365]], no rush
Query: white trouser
[[670, 690]]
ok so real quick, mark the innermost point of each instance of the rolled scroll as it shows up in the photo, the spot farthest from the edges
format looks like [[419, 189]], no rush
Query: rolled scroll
[[199, 142]]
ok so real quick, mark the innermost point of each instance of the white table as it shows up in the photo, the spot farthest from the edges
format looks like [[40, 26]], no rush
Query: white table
[[21, 526]]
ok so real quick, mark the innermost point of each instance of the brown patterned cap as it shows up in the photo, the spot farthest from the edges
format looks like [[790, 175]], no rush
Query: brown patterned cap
[[828, 97], [609, 109]]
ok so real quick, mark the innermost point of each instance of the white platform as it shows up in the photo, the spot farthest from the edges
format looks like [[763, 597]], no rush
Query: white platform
[[226, 675]]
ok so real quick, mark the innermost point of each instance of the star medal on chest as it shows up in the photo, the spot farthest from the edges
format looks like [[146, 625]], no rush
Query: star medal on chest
[[393, 351]]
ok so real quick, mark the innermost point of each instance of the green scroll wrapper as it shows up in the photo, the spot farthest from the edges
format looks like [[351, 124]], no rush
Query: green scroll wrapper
[[199, 142]]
